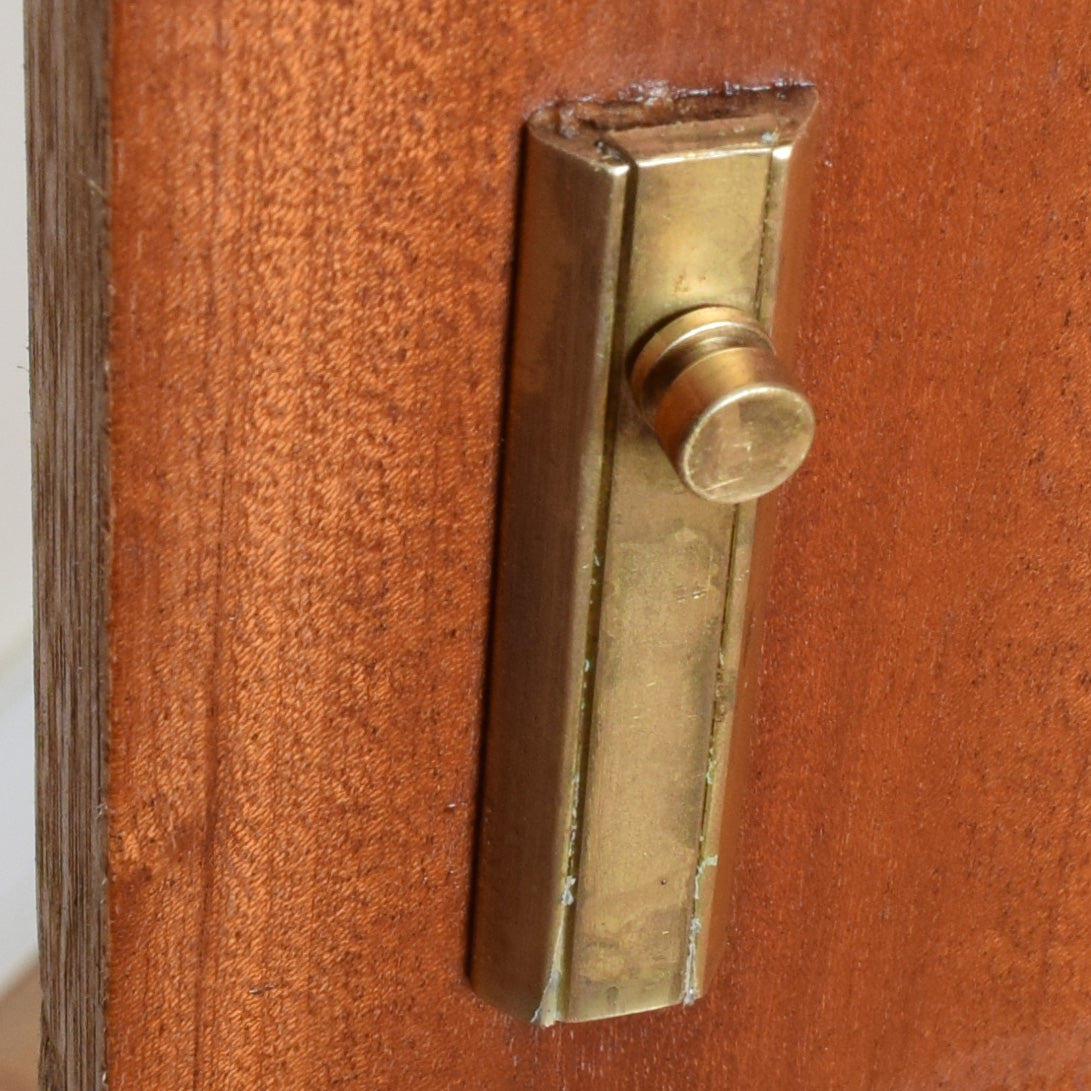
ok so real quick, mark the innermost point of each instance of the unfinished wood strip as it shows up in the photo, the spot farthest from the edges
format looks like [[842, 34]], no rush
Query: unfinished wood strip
[[67, 163]]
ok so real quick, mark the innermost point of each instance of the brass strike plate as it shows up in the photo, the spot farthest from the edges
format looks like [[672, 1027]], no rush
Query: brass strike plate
[[659, 270]]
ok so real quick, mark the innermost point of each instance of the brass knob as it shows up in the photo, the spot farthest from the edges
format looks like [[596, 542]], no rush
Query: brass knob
[[721, 404]]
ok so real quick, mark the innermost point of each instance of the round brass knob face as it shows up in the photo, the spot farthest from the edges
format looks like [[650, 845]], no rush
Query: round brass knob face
[[725, 412]]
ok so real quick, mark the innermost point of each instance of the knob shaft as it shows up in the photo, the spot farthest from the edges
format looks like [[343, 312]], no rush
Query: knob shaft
[[722, 405]]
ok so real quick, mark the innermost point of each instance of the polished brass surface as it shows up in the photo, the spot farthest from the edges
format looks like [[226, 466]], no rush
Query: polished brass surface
[[722, 405], [628, 608]]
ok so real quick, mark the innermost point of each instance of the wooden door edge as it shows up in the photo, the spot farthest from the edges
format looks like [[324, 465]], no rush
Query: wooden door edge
[[68, 161]]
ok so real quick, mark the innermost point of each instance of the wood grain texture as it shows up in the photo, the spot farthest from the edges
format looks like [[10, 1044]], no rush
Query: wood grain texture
[[67, 159], [312, 222]]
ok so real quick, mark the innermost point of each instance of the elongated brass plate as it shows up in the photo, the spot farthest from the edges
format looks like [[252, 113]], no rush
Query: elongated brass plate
[[628, 608]]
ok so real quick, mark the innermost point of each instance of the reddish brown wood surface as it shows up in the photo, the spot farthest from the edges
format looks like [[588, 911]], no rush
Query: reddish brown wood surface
[[311, 236]]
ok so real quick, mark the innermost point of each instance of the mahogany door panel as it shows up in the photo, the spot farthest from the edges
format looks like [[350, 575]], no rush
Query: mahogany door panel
[[273, 251]]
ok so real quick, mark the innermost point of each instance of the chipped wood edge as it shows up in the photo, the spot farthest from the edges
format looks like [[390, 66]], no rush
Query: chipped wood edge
[[67, 153]]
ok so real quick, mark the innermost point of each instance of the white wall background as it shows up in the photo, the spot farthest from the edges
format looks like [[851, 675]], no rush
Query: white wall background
[[17, 913]]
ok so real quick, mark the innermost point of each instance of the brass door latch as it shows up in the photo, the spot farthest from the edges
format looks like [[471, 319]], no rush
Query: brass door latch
[[656, 301]]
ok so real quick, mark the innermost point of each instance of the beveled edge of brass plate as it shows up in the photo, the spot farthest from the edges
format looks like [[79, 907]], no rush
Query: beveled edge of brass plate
[[556, 454]]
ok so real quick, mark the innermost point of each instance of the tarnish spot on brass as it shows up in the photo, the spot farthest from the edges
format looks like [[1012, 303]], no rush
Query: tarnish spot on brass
[[546, 1012], [691, 992]]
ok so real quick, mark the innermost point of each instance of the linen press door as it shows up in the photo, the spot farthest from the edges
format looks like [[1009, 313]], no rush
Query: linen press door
[[266, 543]]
